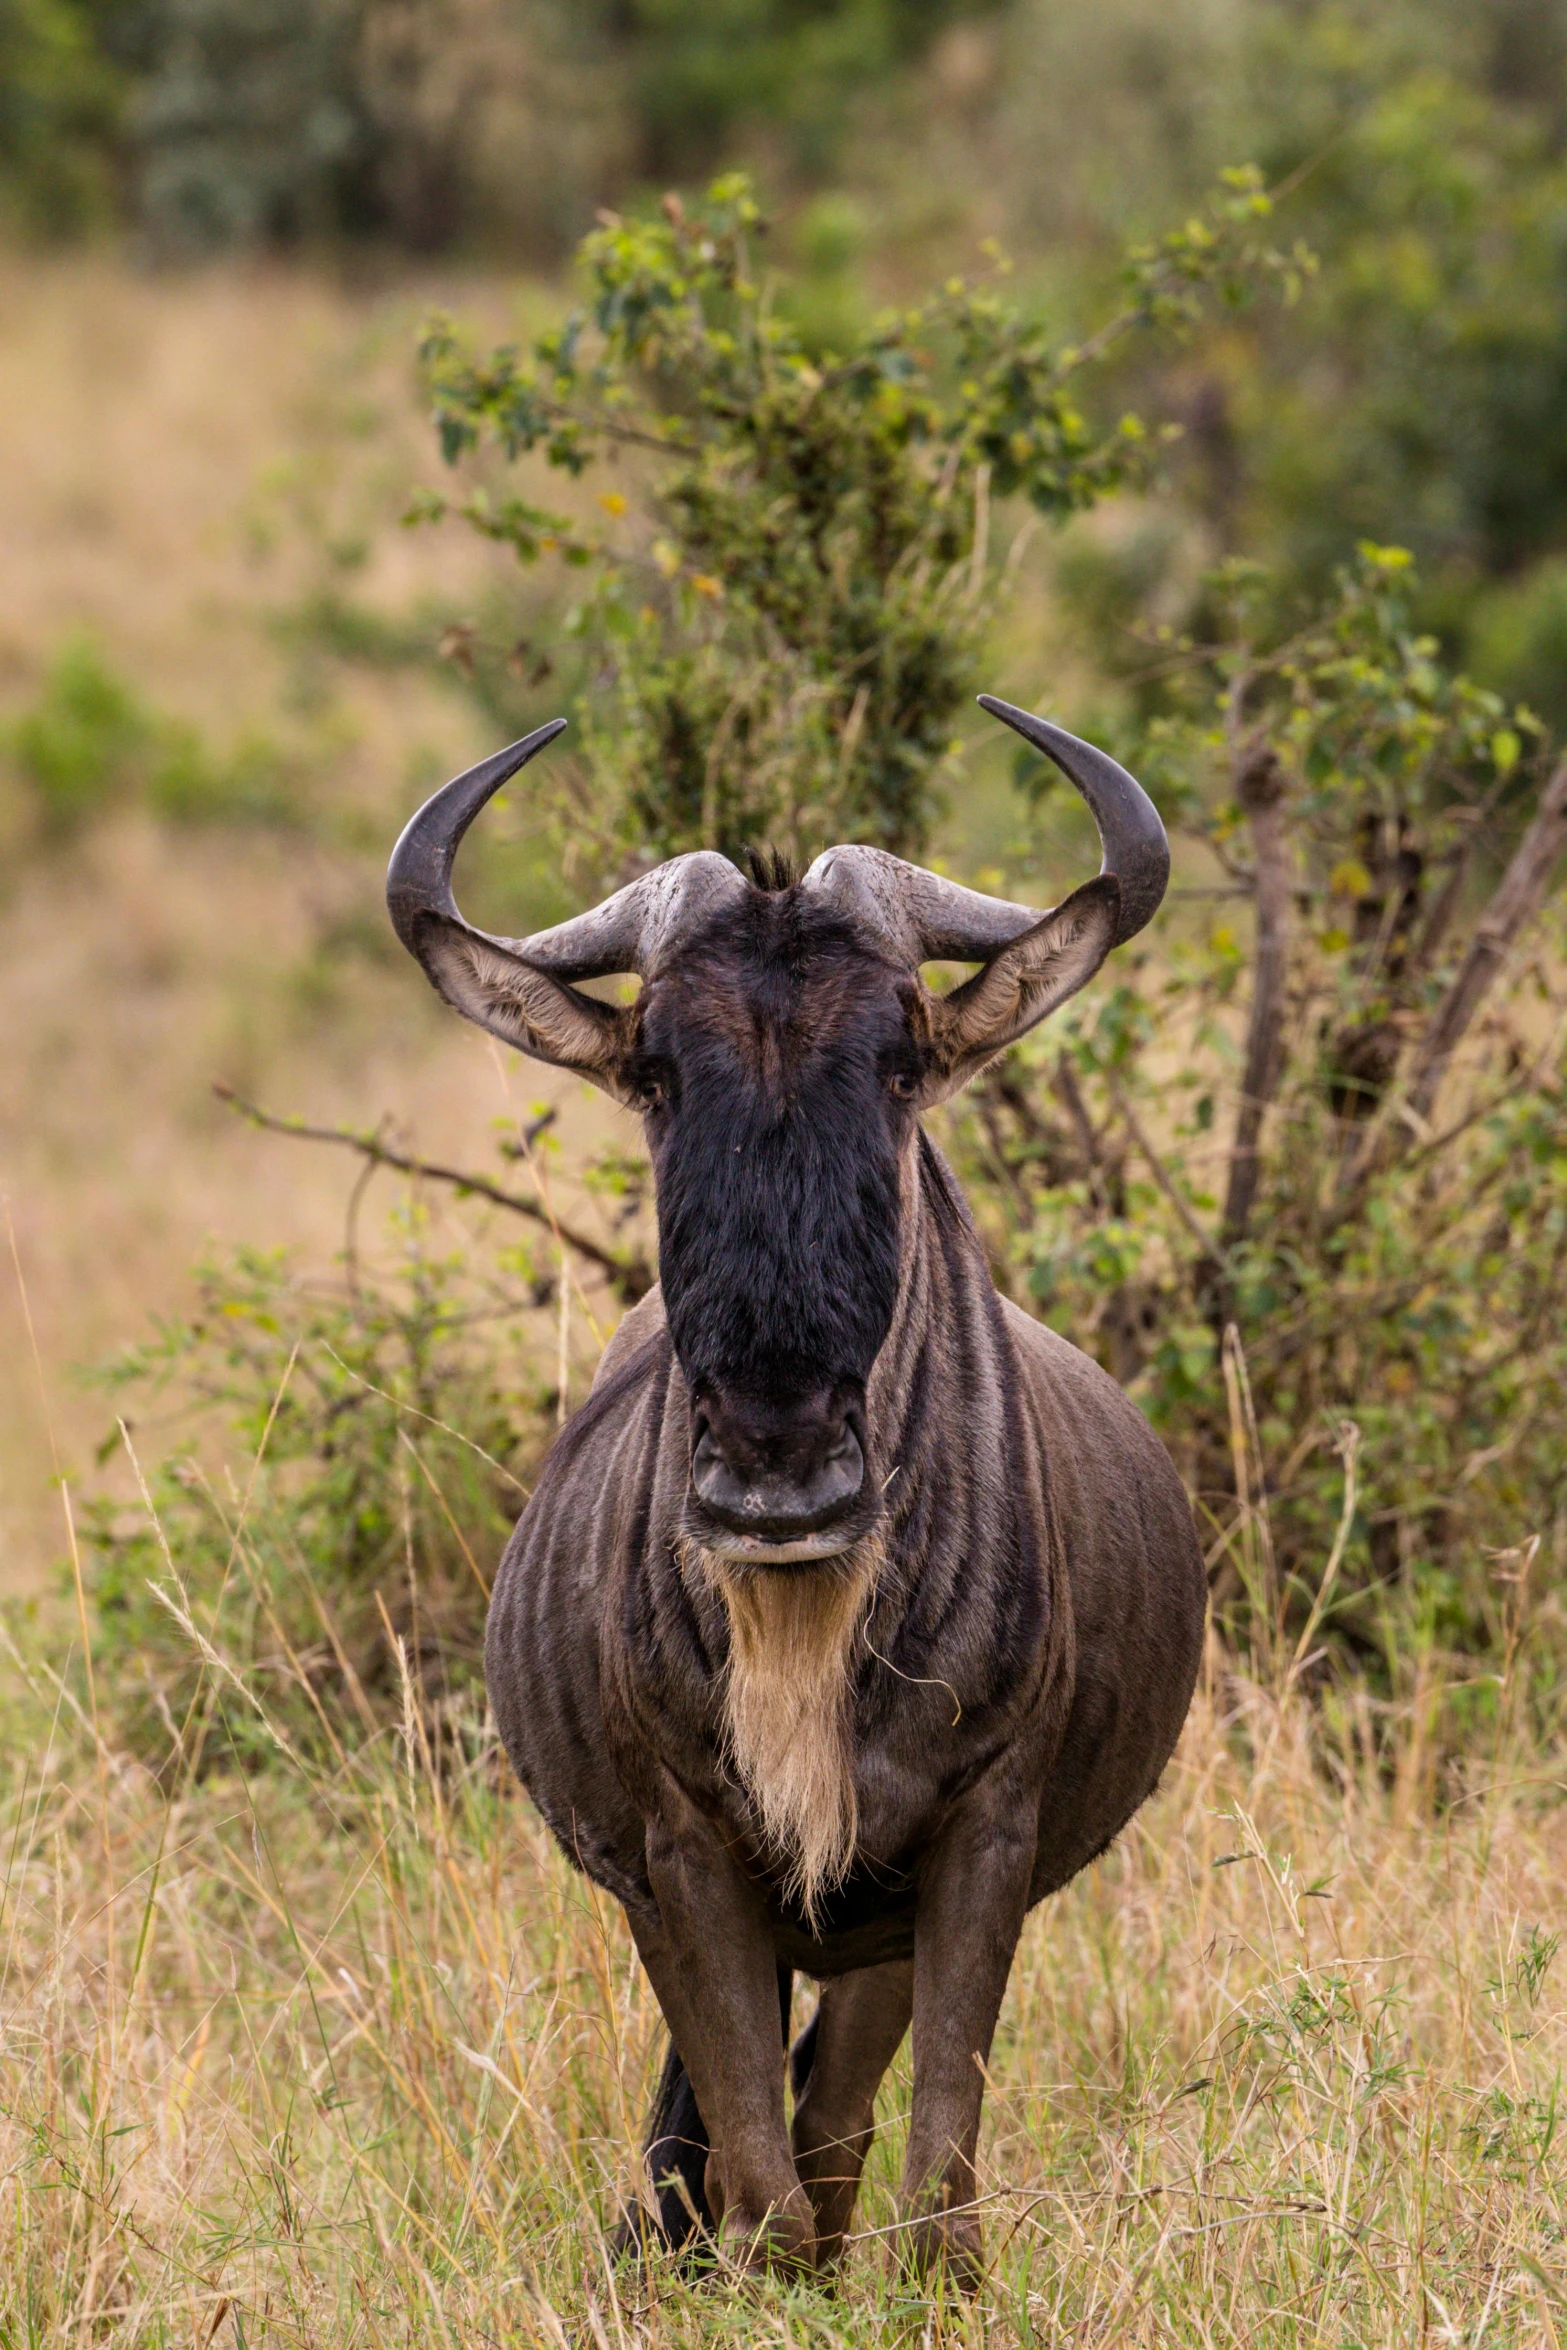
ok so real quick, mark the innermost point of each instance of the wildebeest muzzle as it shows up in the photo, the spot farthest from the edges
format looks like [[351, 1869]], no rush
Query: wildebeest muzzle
[[780, 1484]]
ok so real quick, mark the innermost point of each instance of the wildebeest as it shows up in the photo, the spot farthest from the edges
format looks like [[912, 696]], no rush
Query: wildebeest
[[854, 1611]]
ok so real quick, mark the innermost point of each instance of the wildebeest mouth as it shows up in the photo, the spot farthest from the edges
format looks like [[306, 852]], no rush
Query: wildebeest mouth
[[756, 1550], [779, 1486], [774, 1534]]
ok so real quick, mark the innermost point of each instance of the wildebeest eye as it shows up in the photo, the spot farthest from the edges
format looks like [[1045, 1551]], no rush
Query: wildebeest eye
[[650, 1093], [903, 1085]]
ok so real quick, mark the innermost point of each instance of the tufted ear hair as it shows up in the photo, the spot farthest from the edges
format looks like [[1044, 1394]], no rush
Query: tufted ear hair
[[1021, 983]]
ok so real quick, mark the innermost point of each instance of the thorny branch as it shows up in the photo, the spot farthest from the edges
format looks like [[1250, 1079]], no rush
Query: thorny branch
[[631, 1276]]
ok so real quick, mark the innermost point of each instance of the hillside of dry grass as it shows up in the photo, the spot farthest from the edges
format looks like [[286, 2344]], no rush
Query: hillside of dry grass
[[186, 460]]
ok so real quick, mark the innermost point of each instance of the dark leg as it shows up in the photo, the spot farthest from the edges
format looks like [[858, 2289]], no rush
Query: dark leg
[[709, 1953], [677, 2150], [853, 2037], [803, 2055], [972, 1900]]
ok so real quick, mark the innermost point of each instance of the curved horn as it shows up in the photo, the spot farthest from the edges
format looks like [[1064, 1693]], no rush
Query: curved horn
[[1136, 848], [628, 932], [419, 877], [918, 917], [922, 917]]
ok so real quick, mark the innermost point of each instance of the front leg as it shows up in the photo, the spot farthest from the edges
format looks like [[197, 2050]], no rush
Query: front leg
[[973, 1897], [709, 1954], [859, 2024]]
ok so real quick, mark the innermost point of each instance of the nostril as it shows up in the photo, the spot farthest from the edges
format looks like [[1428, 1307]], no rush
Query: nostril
[[708, 1464]]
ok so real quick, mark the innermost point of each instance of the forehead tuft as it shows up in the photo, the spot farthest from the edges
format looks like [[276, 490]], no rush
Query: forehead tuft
[[773, 957], [771, 871], [772, 934]]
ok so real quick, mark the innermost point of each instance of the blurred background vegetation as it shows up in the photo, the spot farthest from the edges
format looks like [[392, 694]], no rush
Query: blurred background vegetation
[[385, 378]]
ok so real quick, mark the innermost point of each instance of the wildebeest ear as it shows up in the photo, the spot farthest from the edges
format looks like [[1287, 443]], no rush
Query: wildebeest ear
[[524, 1006], [1018, 986]]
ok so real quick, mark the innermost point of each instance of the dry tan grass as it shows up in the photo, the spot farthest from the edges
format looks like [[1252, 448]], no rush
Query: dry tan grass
[[164, 435], [350, 2056]]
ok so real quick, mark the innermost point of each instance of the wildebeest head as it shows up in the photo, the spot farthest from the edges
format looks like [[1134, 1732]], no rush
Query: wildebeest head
[[780, 1051]]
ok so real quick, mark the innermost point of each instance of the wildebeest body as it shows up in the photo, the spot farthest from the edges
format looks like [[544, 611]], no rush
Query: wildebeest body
[[854, 1611], [1042, 1582]]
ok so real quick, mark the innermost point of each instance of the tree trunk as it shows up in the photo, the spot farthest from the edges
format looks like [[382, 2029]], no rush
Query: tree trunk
[[1260, 790], [1517, 899]]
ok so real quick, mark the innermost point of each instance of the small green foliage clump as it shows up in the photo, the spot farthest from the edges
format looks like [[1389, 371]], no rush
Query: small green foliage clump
[[89, 742], [788, 609], [61, 98], [355, 1455]]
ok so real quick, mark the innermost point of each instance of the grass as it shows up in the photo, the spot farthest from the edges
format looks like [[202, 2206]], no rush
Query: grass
[[349, 2055]]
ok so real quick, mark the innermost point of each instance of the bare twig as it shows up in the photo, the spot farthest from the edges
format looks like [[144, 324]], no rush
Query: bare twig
[[1064, 1085], [1157, 1169], [1260, 789], [1439, 920], [1522, 1083], [1008, 1174], [631, 1276]]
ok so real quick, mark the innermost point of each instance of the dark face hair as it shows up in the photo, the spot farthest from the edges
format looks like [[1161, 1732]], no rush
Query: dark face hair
[[775, 1059]]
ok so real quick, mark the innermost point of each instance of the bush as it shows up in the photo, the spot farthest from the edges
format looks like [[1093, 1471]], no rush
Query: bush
[[85, 741], [785, 615], [59, 106], [1307, 1167], [89, 742], [358, 1453], [1418, 393], [699, 73], [1518, 630], [245, 126], [243, 123]]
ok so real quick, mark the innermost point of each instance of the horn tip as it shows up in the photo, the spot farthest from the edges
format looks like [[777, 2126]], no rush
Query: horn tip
[[418, 878], [1025, 721], [527, 744]]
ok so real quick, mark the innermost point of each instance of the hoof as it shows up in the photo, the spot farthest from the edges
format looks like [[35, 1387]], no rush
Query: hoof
[[782, 2237], [638, 2241]]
